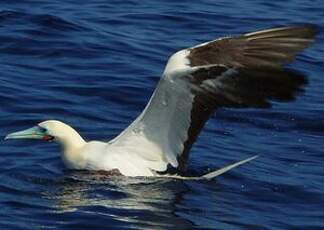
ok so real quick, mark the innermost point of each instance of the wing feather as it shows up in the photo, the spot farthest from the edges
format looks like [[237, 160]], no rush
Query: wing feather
[[255, 49], [244, 71]]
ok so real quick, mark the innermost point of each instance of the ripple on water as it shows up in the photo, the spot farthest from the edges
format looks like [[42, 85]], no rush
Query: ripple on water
[[94, 65]]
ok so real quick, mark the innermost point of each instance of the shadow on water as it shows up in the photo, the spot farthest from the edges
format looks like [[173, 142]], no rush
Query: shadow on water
[[140, 202]]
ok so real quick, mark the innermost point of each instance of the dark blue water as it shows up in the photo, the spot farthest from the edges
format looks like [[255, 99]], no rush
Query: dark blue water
[[94, 66]]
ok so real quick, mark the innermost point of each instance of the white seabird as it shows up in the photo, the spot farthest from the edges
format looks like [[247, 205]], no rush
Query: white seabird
[[242, 71]]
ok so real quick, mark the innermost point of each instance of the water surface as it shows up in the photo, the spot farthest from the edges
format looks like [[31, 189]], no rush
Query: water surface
[[94, 66]]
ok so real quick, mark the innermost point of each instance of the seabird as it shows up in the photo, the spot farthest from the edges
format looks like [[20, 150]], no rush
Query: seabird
[[232, 72]]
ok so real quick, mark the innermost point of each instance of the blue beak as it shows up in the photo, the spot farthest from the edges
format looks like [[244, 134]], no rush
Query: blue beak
[[35, 132]]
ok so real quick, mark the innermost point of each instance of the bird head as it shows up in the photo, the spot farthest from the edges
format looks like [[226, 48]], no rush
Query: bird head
[[50, 130]]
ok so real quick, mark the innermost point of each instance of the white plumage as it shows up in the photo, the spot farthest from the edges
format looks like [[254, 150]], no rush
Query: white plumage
[[244, 71]]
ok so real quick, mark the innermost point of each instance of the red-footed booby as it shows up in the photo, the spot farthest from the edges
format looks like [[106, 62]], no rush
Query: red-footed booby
[[243, 71]]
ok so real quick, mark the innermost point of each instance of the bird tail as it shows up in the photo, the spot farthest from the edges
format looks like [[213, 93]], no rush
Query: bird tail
[[213, 174], [218, 172]]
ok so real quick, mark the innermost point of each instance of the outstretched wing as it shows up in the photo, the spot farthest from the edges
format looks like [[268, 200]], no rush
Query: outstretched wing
[[243, 71]]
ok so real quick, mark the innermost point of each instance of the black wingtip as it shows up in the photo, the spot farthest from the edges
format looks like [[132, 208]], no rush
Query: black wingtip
[[310, 28]]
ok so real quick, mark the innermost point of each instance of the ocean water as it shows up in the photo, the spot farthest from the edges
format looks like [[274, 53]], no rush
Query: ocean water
[[95, 64]]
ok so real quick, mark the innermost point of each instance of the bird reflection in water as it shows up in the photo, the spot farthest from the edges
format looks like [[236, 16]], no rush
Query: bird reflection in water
[[139, 200]]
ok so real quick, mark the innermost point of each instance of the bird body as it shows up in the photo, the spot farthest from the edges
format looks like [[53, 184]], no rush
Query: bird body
[[243, 71]]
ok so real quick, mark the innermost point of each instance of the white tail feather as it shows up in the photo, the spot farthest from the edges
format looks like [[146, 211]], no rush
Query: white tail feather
[[215, 173]]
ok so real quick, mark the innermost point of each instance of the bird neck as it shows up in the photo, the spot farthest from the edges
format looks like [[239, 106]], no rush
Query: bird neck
[[71, 143], [70, 140]]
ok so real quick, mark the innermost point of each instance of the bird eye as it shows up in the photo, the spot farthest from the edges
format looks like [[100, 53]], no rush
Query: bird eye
[[43, 130]]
